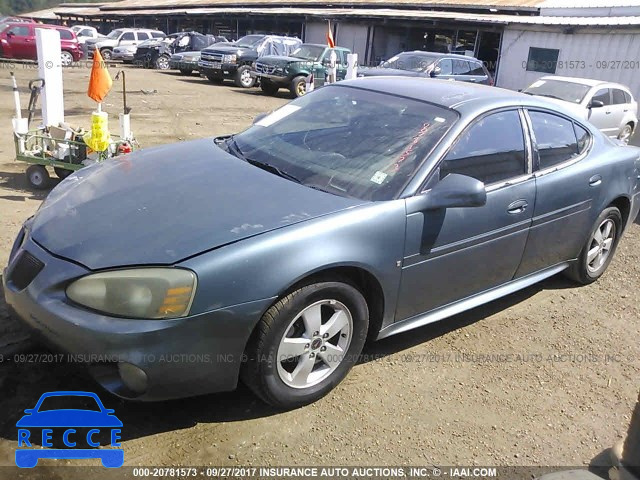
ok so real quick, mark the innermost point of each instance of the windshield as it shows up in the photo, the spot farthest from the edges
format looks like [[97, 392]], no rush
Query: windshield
[[69, 402], [115, 34], [249, 40], [347, 141], [308, 52], [410, 61], [559, 89]]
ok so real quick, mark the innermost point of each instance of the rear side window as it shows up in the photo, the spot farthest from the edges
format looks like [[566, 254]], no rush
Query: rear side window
[[157, 34], [555, 139], [143, 36], [478, 155], [461, 67], [65, 35], [603, 96], [477, 69], [583, 136], [627, 97], [618, 97]]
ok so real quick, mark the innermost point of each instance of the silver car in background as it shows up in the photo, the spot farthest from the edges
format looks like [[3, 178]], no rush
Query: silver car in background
[[610, 107]]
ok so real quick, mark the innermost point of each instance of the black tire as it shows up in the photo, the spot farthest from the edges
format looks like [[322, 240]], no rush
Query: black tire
[[583, 271], [216, 80], [162, 62], [62, 173], [268, 87], [38, 177], [186, 71], [243, 79], [260, 372], [66, 58], [106, 53], [298, 86], [626, 133]]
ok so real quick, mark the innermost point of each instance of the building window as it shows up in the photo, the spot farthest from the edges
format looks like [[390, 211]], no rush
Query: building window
[[542, 60]]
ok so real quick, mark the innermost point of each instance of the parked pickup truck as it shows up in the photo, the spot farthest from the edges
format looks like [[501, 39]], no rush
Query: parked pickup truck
[[233, 60], [291, 72]]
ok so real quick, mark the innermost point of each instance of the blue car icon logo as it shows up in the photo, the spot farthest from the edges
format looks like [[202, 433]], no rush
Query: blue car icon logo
[[81, 418]]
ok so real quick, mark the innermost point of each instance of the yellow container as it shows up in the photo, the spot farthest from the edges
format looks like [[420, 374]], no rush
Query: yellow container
[[98, 138]]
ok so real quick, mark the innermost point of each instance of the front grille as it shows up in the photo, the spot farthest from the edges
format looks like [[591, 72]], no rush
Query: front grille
[[264, 68], [24, 270], [211, 57]]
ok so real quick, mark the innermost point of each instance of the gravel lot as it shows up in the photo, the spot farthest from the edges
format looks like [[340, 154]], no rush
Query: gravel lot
[[548, 376]]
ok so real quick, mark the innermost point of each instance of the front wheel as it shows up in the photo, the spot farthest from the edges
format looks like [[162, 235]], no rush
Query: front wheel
[[38, 177], [598, 251], [162, 62], [298, 86], [625, 133], [306, 343], [244, 78], [66, 58], [106, 53]]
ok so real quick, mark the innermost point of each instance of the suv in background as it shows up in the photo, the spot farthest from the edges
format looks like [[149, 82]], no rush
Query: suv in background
[[119, 37], [18, 40], [233, 60], [277, 71], [446, 66], [610, 107], [156, 54]]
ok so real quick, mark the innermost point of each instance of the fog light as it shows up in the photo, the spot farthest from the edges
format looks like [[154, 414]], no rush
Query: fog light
[[133, 377]]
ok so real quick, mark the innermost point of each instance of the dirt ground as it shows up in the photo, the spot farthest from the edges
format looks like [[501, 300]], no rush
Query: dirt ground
[[548, 376]]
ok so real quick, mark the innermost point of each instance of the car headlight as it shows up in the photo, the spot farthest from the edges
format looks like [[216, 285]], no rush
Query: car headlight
[[229, 58], [253, 65], [279, 70], [189, 58], [145, 293]]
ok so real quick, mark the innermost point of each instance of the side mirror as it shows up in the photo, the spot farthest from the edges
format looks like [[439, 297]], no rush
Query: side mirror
[[259, 117], [109, 411], [28, 411], [10, 34], [452, 191], [435, 72], [596, 104]]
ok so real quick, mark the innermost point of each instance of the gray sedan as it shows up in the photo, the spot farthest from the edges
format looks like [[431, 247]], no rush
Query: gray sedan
[[365, 209]]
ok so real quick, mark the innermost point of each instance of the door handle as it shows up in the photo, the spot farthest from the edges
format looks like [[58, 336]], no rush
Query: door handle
[[608, 113], [595, 180], [517, 207]]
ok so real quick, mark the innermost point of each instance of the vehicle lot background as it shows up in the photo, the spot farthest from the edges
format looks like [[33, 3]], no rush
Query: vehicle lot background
[[420, 398]]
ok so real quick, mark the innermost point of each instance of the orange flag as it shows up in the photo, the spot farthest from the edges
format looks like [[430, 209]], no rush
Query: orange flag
[[100, 81], [330, 41]]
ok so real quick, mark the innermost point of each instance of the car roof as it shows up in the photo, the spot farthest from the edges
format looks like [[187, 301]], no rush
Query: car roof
[[583, 81], [324, 46], [439, 55], [456, 95]]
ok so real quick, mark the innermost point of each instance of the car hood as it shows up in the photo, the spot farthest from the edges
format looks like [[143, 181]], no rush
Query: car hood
[[228, 48], [378, 72], [282, 60], [161, 205]]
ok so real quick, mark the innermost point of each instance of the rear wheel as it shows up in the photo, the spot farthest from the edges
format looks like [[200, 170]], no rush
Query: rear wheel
[[306, 343], [106, 53], [268, 87], [244, 78], [38, 177], [162, 62], [625, 133], [298, 86], [598, 251], [66, 58]]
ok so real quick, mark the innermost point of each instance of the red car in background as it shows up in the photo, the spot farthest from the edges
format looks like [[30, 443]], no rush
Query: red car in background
[[18, 40]]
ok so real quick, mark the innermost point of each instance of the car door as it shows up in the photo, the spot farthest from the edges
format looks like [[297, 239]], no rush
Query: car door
[[567, 186], [127, 38], [601, 117], [461, 70], [458, 252]]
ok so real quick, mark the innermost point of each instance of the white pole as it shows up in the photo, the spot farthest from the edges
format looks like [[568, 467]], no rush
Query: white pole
[[16, 97], [50, 70], [352, 66]]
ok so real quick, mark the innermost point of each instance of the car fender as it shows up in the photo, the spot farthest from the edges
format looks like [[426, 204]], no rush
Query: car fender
[[369, 237]]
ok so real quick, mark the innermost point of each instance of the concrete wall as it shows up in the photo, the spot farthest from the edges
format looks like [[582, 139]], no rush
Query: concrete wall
[[599, 50]]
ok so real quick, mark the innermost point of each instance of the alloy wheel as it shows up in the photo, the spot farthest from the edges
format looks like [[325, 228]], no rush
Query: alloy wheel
[[314, 344], [600, 245], [245, 78], [625, 134]]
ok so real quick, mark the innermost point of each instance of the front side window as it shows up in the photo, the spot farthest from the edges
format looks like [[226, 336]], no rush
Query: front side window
[[65, 35], [555, 139], [347, 141], [492, 150], [128, 36], [446, 66], [19, 31], [603, 96]]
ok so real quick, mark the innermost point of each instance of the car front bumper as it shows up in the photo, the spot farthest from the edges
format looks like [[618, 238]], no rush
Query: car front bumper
[[183, 64], [125, 56], [163, 359]]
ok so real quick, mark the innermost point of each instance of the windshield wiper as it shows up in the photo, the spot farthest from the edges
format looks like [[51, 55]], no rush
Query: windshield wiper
[[233, 145]]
